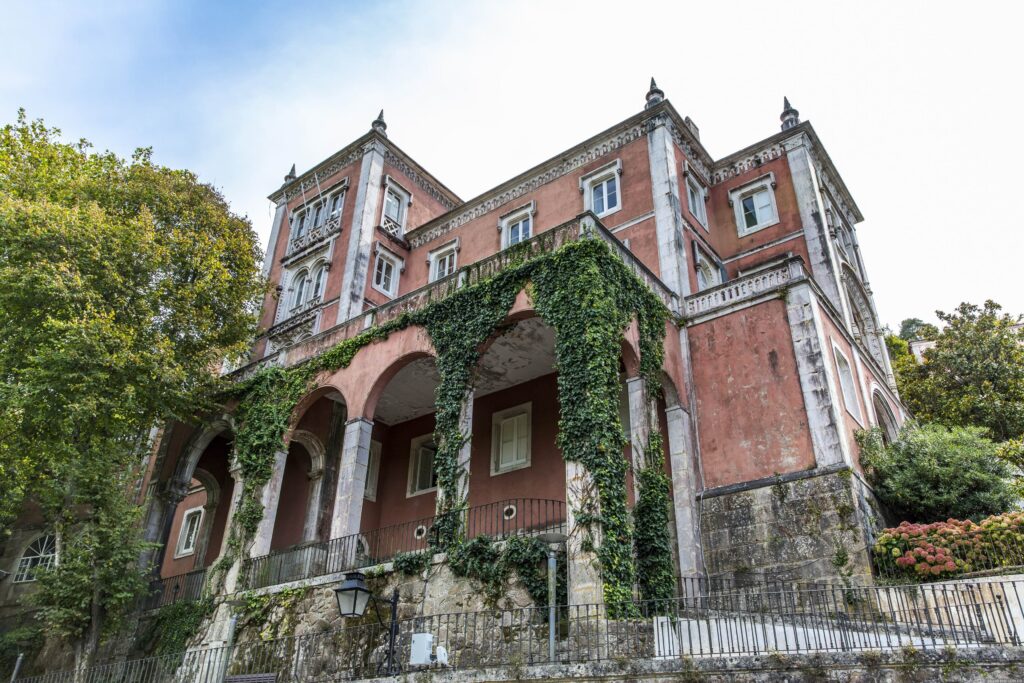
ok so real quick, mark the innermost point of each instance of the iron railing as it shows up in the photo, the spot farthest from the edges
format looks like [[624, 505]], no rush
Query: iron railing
[[951, 554], [187, 587], [734, 622], [498, 520]]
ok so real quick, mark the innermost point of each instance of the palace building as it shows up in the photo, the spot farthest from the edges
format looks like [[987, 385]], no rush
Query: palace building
[[773, 358]]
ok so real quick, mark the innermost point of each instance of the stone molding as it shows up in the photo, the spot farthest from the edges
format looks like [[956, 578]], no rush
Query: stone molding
[[412, 174]]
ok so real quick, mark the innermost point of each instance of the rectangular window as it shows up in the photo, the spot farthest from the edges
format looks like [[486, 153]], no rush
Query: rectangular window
[[442, 263], [422, 477], [372, 471], [335, 203], [754, 205], [847, 385], [519, 229], [384, 274], [298, 227], [396, 201], [605, 195], [511, 435], [695, 200], [318, 215], [189, 532]]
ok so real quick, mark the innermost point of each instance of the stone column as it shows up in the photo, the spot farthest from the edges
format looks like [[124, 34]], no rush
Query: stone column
[[639, 426], [316, 480], [163, 514], [203, 542], [332, 461], [360, 242], [684, 491], [269, 499], [466, 430], [231, 578], [355, 460], [585, 584]]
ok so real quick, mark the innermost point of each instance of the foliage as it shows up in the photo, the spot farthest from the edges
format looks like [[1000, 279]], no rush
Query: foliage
[[26, 639], [174, 625], [272, 613], [125, 285], [974, 376], [589, 297], [411, 564], [912, 329], [943, 549], [652, 535], [481, 559], [934, 472]]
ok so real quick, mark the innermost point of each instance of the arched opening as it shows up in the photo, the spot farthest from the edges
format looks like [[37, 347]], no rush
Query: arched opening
[[884, 418], [289, 523]]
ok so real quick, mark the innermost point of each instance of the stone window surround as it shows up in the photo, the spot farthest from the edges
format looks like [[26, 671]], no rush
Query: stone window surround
[[737, 194], [414, 451], [28, 576], [434, 255], [308, 269], [325, 198], [701, 261], [380, 251], [179, 549], [392, 185], [847, 386], [497, 418], [508, 218], [612, 169], [692, 179]]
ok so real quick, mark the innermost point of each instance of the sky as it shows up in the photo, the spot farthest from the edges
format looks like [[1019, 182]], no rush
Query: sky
[[917, 103]]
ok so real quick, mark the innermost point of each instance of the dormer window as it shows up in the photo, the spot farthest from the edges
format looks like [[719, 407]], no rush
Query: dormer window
[[601, 190], [396, 205], [754, 205]]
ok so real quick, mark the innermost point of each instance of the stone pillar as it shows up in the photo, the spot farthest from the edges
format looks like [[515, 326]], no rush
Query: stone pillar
[[332, 461], [316, 480], [466, 430], [269, 499], [364, 221], [585, 584], [684, 491], [668, 215], [355, 460], [231, 578], [639, 425]]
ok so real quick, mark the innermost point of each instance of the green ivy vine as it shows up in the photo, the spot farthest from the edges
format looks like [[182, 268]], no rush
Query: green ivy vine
[[494, 563], [589, 297], [173, 625]]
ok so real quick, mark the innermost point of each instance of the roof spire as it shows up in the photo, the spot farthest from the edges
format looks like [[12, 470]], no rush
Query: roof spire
[[379, 125], [790, 116], [291, 175], [654, 95]]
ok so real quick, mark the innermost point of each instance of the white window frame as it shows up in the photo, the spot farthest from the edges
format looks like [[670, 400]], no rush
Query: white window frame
[[435, 257], [847, 385], [496, 421], [340, 197], [373, 471], [695, 199], [398, 267], [414, 453], [601, 175], [24, 571], [517, 215], [318, 279], [297, 223], [703, 263], [300, 295], [179, 548], [738, 194], [405, 201]]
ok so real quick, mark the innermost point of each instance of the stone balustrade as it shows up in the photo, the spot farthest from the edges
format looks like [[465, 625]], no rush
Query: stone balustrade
[[744, 288]]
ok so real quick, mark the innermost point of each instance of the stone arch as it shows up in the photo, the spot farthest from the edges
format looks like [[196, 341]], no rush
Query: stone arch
[[384, 379], [884, 417], [862, 316], [210, 484], [196, 445], [669, 391], [326, 389]]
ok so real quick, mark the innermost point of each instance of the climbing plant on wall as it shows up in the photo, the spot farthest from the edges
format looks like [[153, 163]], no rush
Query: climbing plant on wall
[[589, 297]]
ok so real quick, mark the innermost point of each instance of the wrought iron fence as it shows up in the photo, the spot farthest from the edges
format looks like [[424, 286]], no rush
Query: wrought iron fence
[[945, 555], [498, 520], [189, 587], [738, 620]]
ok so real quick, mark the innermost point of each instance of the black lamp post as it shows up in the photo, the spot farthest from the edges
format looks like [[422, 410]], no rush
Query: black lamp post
[[353, 597]]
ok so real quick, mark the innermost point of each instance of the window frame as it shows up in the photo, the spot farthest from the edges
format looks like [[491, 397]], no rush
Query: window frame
[[435, 256], [24, 570], [415, 445], [695, 188], [701, 262], [764, 183], [318, 280], [518, 215], [499, 417], [848, 389], [397, 265], [405, 201], [373, 470], [300, 288], [339, 195], [599, 176], [179, 547], [297, 223]]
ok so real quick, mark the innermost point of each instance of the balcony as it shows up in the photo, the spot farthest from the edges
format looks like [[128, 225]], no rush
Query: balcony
[[584, 226], [187, 587], [303, 244], [744, 289], [520, 516]]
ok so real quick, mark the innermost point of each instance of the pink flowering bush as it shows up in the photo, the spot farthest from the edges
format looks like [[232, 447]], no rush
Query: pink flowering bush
[[927, 552]]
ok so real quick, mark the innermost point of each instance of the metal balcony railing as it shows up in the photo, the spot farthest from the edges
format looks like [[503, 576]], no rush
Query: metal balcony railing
[[186, 587]]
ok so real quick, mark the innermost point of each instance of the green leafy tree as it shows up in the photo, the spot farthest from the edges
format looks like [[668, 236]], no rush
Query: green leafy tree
[[125, 286], [931, 473], [974, 376], [915, 328]]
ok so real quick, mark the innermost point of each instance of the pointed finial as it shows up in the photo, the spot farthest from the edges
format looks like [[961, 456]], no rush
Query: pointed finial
[[654, 95], [790, 116], [291, 175], [379, 125]]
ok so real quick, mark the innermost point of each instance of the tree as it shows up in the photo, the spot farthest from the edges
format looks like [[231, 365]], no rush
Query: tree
[[915, 328], [125, 285], [931, 473], [974, 376]]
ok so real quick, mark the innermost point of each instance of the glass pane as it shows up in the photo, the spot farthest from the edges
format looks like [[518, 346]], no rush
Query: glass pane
[[598, 198], [525, 229], [522, 434], [612, 193], [749, 212]]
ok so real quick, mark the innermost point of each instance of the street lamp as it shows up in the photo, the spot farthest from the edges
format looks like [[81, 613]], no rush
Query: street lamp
[[553, 539], [353, 597]]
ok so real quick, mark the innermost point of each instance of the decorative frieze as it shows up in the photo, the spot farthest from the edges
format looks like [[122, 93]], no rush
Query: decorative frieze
[[422, 181], [749, 162], [427, 234], [312, 182], [300, 324], [693, 154]]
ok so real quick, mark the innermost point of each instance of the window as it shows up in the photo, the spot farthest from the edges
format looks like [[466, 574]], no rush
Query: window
[[517, 225], [707, 273], [319, 280], [510, 431], [695, 199], [298, 224], [39, 554], [422, 477], [300, 289], [601, 189], [189, 532], [396, 201], [372, 471], [520, 229], [335, 204], [442, 262], [847, 385], [318, 215], [754, 205], [385, 272]]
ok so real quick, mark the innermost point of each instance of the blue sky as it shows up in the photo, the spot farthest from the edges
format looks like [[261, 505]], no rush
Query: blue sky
[[918, 103]]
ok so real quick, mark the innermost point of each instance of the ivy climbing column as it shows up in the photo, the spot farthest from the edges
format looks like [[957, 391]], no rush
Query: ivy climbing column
[[355, 461], [231, 577], [459, 495], [586, 586]]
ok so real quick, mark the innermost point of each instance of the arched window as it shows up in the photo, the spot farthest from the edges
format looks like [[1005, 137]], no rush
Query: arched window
[[298, 224], [40, 554], [319, 279], [300, 289]]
